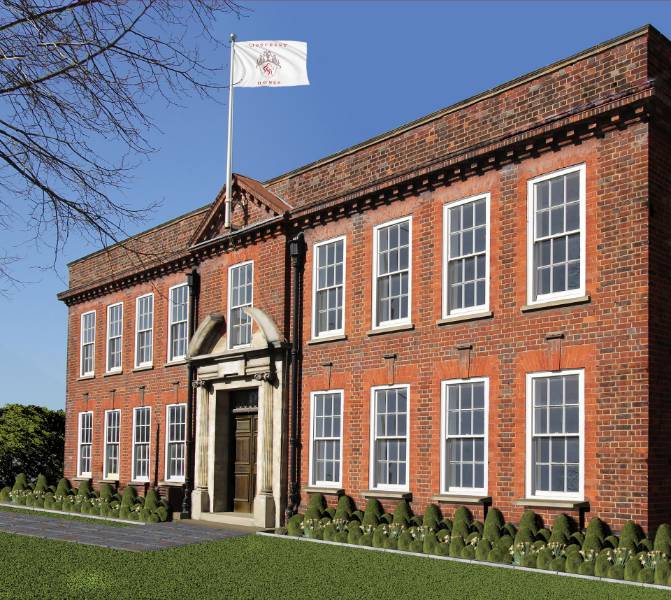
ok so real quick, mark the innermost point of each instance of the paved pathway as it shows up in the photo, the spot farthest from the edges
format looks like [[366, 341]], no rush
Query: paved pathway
[[134, 538]]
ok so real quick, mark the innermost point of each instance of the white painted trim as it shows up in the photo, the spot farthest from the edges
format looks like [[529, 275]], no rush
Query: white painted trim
[[313, 481], [444, 489], [83, 373], [167, 435], [172, 359], [134, 477], [107, 475], [408, 319], [139, 365], [580, 496], [315, 269], [479, 308], [373, 436], [108, 338], [79, 444], [531, 236], [230, 290]]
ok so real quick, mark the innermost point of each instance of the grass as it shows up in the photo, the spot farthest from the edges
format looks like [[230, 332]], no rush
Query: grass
[[67, 516], [256, 567]]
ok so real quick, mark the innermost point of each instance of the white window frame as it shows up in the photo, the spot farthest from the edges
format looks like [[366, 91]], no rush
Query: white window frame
[[315, 279], [373, 436], [168, 441], [149, 363], [401, 321], [531, 236], [109, 339], [446, 256], [180, 357], [313, 480], [90, 373], [444, 488], [106, 474], [580, 495], [134, 474], [81, 473], [230, 307]]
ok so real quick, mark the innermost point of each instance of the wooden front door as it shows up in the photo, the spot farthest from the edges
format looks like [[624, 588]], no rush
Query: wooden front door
[[244, 461]]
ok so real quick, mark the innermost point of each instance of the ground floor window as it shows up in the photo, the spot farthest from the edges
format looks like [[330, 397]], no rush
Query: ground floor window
[[555, 408], [326, 430], [141, 443], [464, 444], [85, 443], [112, 422], [390, 437], [175, 442]]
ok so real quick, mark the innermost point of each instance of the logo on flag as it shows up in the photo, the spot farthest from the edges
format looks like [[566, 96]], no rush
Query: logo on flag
[[270, 64]]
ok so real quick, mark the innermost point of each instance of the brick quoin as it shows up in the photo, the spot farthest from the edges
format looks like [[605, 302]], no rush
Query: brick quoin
[[608, 108]]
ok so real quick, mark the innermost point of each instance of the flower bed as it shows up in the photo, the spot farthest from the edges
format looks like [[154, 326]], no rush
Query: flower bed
[[594, 551], [83, 500]]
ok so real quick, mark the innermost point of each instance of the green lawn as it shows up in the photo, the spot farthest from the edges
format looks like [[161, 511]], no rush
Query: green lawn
[[68, 516], [257, 567]]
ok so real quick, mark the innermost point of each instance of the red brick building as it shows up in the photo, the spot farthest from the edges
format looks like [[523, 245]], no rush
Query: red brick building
[[469, 309]]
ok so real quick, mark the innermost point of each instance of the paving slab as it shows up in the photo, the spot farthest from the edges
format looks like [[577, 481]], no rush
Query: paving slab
[[157, 536]]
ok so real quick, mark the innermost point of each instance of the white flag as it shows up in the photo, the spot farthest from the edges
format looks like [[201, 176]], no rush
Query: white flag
[[270, 64]]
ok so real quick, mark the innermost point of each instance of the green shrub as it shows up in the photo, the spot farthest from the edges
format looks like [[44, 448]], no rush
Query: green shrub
[[441, 550], [20, 483], [447, 524], [162, 513], [84, 489], [632, 569], [631, 535], [353, 535], [358, 515], [462, 514], [646, 575], [577, 538], [366, 539], [417, 520], [510, 530], [4, 494], [483, 549], [646, 544], [601, 565], [151, 500], [499, 555], [293, 524], [403, 513], [524, 534], [616, 572], [611, 541], [345, 508], [472, 536], [662, 571], [558, 564], [129, 496], [663, 539], [573, 562], [504, 542], [530, 520], [404, 541], [592, 543], [561, 529], [587, 568], [432, 517], [461, 528], [468, 552], [430, 543], [456, 546], [373, 512], [379, 536], [330, 512], [341, 537], [106, 492], [494, 522], [544, 559], [387, 518], [546, 536], [597, 527], [63, 487], [316, 506], [41, 484]]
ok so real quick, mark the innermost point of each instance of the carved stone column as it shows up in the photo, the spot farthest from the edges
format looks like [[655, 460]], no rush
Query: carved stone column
[[264, 503], [200, 497]]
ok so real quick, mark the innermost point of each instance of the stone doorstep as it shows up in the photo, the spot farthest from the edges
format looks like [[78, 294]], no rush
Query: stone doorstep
[[482, 563]]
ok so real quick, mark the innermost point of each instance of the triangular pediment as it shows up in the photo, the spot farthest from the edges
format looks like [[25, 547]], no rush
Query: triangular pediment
[[251, 203]]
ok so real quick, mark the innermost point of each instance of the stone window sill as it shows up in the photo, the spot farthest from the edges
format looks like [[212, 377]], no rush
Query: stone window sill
[[462, 499], [81, 479], [171, 484], [326, 339], [556, 303], [553, 503], [176, 363], [387, 495], [112, 373], [86, 377], [391, 329], [139, 483], [115, 480], [487, 314], [145, 368], [327, 491]]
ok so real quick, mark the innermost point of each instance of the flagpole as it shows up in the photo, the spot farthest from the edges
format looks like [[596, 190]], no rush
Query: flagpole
[[229, 156]]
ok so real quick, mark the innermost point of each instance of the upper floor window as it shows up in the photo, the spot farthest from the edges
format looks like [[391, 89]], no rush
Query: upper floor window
[[144, 330], [555, 463], [326, 432], [240, 287], [114, 336], [88, 342], [392, 260], [178, 322], [329, 288], [141, 443], [175, 443], [465, 276], [112, 423], [557, 235], [389, 464], [465, 436], [85, 439]]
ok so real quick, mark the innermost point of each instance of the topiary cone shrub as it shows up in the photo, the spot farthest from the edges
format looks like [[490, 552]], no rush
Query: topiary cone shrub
[[4, 494], [41, 484], [631, 536], [373, 512], [20, 483], [403, 513], [494, 522], [84, 489], [433, 517], [345, 508], [316, 506], [63, 487], [663, 539], [106, 492], [151, 500]]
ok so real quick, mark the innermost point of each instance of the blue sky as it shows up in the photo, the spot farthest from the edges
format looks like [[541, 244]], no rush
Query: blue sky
[[372, 67]]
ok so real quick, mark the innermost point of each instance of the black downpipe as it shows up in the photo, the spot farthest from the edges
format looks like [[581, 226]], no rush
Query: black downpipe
[[297, 254], [193, 280]]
